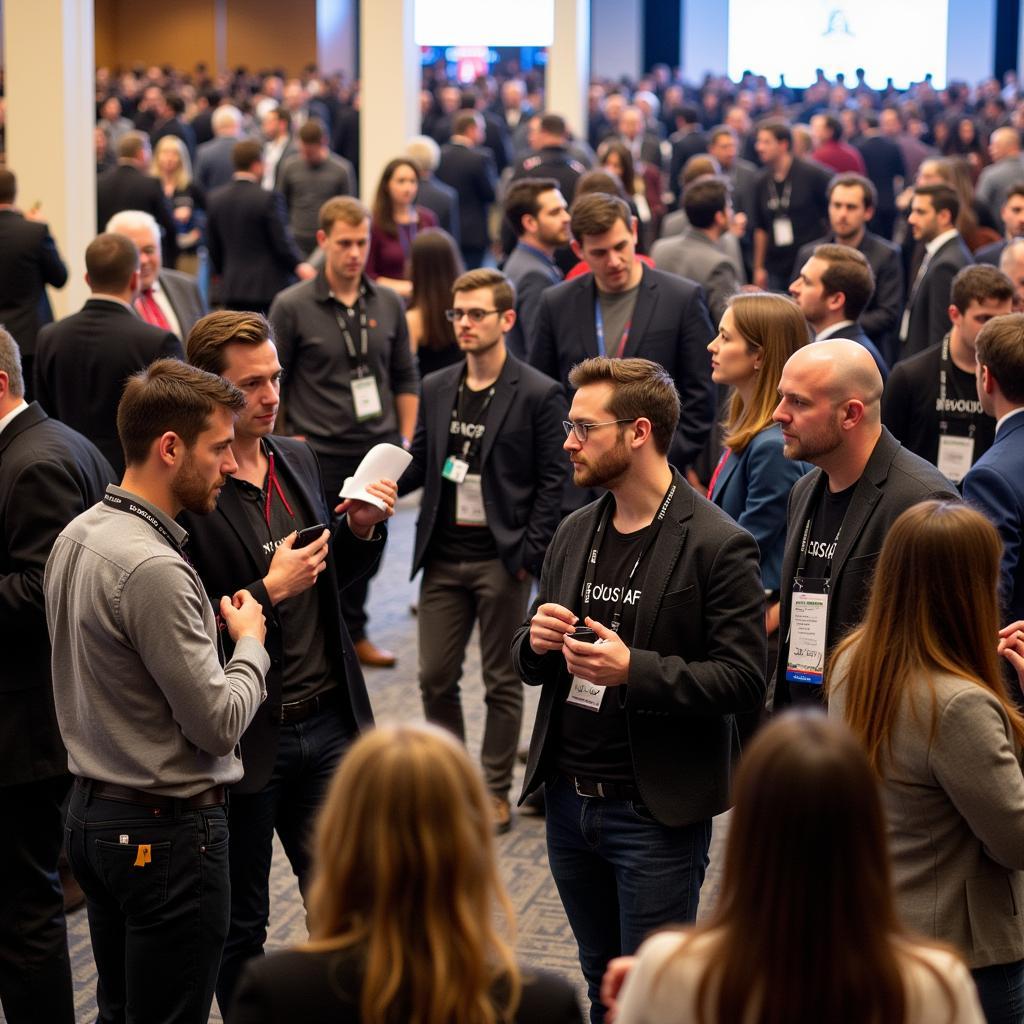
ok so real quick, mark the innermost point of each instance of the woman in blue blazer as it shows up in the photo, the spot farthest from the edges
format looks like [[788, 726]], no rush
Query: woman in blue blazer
[[752, 480]]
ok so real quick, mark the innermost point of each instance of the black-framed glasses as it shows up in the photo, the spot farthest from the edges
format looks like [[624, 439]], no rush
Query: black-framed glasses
[[581, 429], [476, 316]]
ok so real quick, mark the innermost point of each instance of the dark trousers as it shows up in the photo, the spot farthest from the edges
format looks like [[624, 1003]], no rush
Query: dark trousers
[[157, 917], [307, 754], [35, 973], [1001, 992], [620, 874]]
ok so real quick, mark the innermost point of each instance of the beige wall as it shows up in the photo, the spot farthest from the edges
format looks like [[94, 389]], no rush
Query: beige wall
[[271, 34]]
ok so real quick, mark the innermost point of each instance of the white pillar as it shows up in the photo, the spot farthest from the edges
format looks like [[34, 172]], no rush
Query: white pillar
[[389, 86], [336, 37], [568, 73], [49, 72], [616, 39]]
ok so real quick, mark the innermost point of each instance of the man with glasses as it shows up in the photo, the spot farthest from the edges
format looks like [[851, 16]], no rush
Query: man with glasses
[[487, 455], [647, 638]]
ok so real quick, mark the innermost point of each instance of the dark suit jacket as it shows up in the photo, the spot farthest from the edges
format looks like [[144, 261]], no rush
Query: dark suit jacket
[[990, 254], [443, 201], [670, 326], [472, 174], [223, 548], [28, 262], [125, 187], [697, 657], [521, 459], [214, 163], [48, 475], [892, 481], [185, 298], [929, 302], [83, 361], [995, 484], [856, 333], [531, 275], [250, 243]]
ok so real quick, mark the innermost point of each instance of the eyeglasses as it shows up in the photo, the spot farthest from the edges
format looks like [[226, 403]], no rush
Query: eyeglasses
[[476, 316], [581, 429]]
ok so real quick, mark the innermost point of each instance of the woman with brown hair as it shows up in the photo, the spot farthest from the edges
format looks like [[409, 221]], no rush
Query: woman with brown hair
[[920, 685], [435, 264], [805, 930], [401, 906], [642, 183]]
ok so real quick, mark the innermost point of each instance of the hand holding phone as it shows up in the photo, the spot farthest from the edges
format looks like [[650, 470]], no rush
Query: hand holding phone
[[306, 537]]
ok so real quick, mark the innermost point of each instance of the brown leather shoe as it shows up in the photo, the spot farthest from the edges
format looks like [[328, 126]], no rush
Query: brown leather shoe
[[375, 657], [501, 815]]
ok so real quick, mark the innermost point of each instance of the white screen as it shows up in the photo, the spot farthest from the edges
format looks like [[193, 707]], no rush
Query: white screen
[[484, 23], [899, 39]]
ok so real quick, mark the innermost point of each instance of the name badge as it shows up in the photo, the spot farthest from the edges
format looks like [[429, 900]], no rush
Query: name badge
[[782, 231], [366, 398], [469, 502], [805, 662], [956, 456], [585, 695], [455, 469]]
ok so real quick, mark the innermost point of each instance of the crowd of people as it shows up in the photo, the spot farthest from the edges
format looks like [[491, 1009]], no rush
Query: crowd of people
[[734, 429]]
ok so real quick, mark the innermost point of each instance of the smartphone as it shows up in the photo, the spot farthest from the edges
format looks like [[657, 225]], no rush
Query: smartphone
[[584, 634], [308, 535]]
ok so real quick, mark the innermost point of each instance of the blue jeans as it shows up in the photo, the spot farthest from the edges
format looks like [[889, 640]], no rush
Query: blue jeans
[[620, 874], [157, 921], [1001, 992], [307, 754]]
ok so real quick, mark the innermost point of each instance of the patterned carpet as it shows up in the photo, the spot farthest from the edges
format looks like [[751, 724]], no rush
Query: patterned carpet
[[544, 938]]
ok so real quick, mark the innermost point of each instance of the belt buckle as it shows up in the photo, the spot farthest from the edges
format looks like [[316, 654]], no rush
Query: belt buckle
[[599, 787]]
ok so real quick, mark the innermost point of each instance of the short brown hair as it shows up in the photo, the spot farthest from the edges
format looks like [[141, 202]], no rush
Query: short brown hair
[[979, 283], [464, 120], [245, 153], [1000, 347], [704, 198], [777, 128], [942, 197], [523, 197], [347, 209], [312, 132], [851, 180], [170, 395], [639, 388], [502, 292], [207, 340], [596, 213], [110, 261], [131, 144], [846, 271]]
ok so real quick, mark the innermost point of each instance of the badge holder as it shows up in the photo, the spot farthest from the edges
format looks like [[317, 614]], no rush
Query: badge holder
[[366, 398], [805, 661]]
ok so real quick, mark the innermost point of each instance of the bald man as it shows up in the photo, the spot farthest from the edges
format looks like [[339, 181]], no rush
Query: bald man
[[1005, 171], [839, 514]]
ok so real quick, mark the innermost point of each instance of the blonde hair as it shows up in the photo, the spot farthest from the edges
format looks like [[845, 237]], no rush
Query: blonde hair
[[183, 176], [406, 876]]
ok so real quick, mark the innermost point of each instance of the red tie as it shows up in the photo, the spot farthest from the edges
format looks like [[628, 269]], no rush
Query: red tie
[[150, 310]]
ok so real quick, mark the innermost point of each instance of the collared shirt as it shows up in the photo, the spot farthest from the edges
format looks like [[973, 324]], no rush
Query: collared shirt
[[20, 408], [540, 254], [160, 297], [932, 247], [1003, 419], [104, 297], [833, 329]]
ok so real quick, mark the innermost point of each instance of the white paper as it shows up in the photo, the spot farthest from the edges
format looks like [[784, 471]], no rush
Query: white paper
[[381, 462]]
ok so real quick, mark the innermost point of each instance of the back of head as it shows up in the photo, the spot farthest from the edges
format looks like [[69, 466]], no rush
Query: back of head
[[246, 153], [211, 334], [522, 199], [435, 263], [464, 121], [600, 181], [226, 120], [596, 213], [700, 165], [8, 186], [847, 271], [704, 199], [554, 126], [110, 261], [132, 145], [1000, 348], [10, 363], [425, 153]]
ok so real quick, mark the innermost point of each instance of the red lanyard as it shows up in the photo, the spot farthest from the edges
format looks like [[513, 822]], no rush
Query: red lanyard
[[273, 485], [718, 469]]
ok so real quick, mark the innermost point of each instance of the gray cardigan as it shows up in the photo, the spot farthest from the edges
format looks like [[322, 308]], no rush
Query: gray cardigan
[[955, 810]]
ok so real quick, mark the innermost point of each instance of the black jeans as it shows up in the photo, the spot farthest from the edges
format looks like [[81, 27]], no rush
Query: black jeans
[[158, 895], [35, 973]]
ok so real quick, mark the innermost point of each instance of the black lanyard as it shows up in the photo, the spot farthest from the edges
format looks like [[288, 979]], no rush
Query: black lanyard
[[946, 375], [126, 505], [777, 203], [804, 543], [602, 527], [469, 445], [358, 359]]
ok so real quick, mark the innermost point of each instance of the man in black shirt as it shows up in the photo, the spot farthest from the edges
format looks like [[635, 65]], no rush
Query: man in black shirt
[[634, 732], [930, 402]]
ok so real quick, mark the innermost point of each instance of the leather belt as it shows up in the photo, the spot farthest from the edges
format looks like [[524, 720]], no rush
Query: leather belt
[[300, 710], [215, 796], [603, 790]]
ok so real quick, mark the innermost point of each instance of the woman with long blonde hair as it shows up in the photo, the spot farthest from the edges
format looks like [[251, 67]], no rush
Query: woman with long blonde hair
[[402, 903], [173, 168], [920, 685]]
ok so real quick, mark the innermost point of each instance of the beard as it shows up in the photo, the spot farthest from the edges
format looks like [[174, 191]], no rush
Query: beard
[[812, 446], [192, 491], [605, 470]]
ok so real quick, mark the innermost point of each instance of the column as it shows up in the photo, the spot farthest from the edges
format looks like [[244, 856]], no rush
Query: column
[[49, 73], [568, 73], [616, 38], [337, 38]]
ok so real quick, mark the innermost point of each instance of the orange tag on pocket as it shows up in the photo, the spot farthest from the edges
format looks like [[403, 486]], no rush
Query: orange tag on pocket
[[144, 856]]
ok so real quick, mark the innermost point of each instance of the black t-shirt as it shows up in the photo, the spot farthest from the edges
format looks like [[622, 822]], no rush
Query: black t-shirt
[[468, 424], [805, 191], [595, 744]]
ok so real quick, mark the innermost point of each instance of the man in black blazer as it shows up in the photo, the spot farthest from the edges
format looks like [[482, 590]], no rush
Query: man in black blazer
[[626, 309], [316, 697], [634, 736], [480, 540], [840, 513], [83, 360], [128, 186], [933, 213], [251, 245], [441, 199], [470, 170], [48, 475]]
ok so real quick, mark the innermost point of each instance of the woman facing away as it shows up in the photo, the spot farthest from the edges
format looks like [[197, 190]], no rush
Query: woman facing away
[[919, 683], [805, 930], [436, 263], [402, 903]]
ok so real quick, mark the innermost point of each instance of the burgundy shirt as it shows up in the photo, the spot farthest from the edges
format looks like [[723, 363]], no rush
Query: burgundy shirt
[[840, 157], [389, 255]]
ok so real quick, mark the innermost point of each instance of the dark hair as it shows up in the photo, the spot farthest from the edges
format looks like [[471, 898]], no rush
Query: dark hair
[[600, 181], [245, 153], [1015, 190], [777, 128], [435, 264], [175, 103], [979, 282], [851, 180], [383, 207], [704, 198], [596, 213], [1000, 347], [834, 126], [463, 120], [522, 199], [312, 132], [131, 144], [8, 186], [943, 197], [210, 335], [170, 395], [502, 292], [616, 147], [686, 113], [110, 261], [553, 124], [847, 271]]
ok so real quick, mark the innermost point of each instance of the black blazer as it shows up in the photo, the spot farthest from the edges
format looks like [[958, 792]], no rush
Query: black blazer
[[251, 245], [28, 262], [186, 300], [472, 174], [223, 547], [929, 302], [893, 480], [670, 326], [83, 361], [697, 658], [125, 187], [522, 462], [48, 475], [323, 988], [443, 201]]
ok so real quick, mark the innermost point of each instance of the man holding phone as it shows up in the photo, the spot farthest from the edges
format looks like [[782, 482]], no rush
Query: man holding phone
[[268, 534]]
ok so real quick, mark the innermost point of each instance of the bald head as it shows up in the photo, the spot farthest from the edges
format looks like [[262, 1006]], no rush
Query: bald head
[[844, 370], [1003, 143]]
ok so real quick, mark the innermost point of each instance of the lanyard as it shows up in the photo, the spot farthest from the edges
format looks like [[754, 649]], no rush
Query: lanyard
[[945, 413], [470, 443], [802, 563], [776, 203], [718, 469], [364, 340], [652, 535], [599, 324], [125, 505], [273, 485]]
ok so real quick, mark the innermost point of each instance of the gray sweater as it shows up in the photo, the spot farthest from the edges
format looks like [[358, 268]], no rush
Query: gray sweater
[[140, 694]]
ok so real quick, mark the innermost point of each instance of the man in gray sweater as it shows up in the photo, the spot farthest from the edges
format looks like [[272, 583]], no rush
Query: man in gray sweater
[[150, 718]]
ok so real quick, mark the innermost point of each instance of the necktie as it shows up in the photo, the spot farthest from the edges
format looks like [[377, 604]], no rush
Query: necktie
[[149, 309]]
